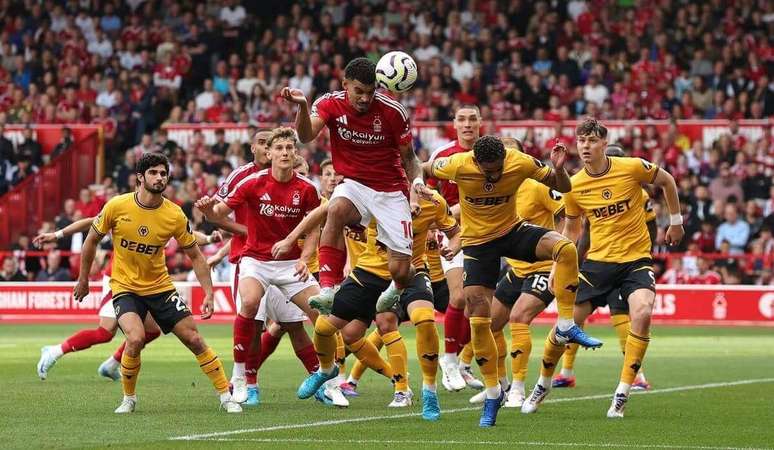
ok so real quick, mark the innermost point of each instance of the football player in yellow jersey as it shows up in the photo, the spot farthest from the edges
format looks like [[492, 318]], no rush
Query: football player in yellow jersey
[[142, 223], [488, 179], [354, 304], [608, 192], [619, 309], [524, 291]]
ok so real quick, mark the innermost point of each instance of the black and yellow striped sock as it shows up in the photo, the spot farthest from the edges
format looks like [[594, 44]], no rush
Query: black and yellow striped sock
[[213, 368], [130, 370]]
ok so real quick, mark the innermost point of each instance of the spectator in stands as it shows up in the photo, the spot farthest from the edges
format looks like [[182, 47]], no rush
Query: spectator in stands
[[675, 274], [705, 273], [30, 149], [733, 230], [54, 270], [10, 270], [220, 147], [725, 186], [64, 143], [65, 218], [20, 171], [705, 237], [87, 205]]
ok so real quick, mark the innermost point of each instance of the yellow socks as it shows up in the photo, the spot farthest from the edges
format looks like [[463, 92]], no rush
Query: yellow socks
[[466, 355], [427, 343], [358, 369], [521, 347], [365, 352], [485, 350], [398, 355], [633, 356], [568, 360], [501, 352], [621, 324], [565, 277], [551, 354], [341, 353], [130, 370], [213, 368], [325, 343]]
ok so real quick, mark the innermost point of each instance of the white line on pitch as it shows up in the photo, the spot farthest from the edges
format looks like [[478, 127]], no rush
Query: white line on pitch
[[453, 442], [322, 423]]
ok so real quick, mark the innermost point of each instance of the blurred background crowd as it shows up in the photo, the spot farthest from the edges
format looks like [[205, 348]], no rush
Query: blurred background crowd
[[137, 66]]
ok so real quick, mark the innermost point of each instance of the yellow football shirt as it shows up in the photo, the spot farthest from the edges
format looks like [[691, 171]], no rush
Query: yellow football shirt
[[488, 210], [140, 234], [650, 213], [433, 252], [314, 261], [432, 215], [537, 204], [356, 241], [612, 203]]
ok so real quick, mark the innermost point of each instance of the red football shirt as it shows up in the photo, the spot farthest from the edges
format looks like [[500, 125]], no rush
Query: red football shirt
[[447, 188], [274, 209], [364, 146], [240, 212]]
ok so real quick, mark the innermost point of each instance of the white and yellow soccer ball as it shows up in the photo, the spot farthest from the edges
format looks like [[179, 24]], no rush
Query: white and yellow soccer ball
[[396, 71]]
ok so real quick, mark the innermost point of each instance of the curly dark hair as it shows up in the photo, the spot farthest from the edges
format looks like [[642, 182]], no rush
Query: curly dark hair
[[488, 149], [149, 160], [591, 126], [362, 70]]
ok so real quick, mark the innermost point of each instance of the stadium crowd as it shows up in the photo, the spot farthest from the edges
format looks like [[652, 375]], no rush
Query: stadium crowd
[[136, 66]]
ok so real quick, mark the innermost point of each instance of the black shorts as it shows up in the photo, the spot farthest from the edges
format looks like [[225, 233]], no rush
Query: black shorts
[[482, 262], [357, 296], [420, 289], [510, 287], [601, 283], [166, 308], [440, 295], [616, 303], [316, 276]]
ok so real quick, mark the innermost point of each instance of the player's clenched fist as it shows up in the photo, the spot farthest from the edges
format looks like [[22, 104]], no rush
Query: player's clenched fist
[[293, 95]]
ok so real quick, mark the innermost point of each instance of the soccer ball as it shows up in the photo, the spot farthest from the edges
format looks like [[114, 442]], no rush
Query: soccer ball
[[396, 72]]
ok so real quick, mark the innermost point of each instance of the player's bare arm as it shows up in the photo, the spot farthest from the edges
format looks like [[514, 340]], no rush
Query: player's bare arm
[[572, 228], [88, 250], [307, 127], [414, 172], [229, 225], [222, 252], [666, 181], [455, 243], [203, 239], [312, 221], [558, 179], [216, 211], [202, 271], [79, 226]]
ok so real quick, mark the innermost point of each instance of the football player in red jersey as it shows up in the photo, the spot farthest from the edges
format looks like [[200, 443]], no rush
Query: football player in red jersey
[[276, 200], [371, 147], [467, 123]]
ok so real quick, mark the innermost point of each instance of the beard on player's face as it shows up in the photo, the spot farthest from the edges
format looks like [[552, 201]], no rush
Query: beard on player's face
[[155, 187], [360, 95]]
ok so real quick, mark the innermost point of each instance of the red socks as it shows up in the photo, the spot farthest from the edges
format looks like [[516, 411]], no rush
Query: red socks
[[308, 357], [244, 330], [85, 339], [148, 338], [332, 261], [453, 323], [464, 336], [269, 343]]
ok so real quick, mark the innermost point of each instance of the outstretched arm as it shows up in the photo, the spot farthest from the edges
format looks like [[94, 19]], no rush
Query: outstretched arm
[[307, 126], [79, 226], [675, 232], [558, 179], [307, 226]]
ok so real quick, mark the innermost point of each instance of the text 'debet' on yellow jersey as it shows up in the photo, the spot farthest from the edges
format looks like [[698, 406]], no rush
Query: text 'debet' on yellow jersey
[[140, 234], [433, 215], [488, 210], [613, 204], [537, 204]]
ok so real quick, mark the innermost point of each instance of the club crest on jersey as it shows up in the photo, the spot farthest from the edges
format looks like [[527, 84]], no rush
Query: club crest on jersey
[[296, 198], [440, 163], [223, 190], [607, 194], [143, 230], [377, 125], [488, 187]]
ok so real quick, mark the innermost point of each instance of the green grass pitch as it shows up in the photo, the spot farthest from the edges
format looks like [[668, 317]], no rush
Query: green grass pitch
[[713, 388]]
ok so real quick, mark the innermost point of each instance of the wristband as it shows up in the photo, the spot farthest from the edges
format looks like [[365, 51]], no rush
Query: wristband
[[417, 181], [59, 234], [208, 240], [675, 219]]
